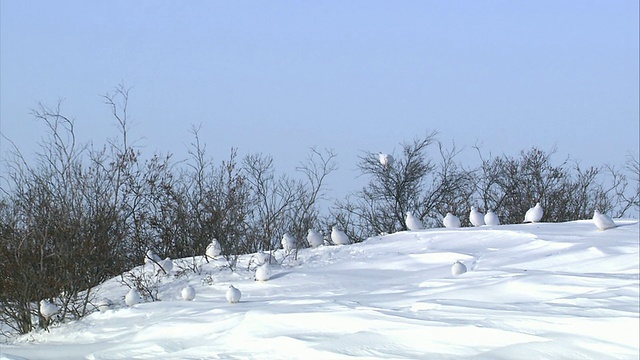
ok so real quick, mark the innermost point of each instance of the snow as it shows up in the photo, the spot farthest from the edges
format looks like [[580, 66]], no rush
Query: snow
[[535, 291]]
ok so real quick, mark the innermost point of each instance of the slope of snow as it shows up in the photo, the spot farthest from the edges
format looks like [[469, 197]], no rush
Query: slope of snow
[[535, 291]]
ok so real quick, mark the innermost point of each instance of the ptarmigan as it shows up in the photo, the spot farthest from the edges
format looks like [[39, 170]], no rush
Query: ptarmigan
[[490, 218], [412, 222], [314, 238], [188, 293], [451, 221], [132, 297], [263, 272], [339, 237], [476, 217], [386, 160], [288, 243], [233, 294], [534, 214], [458, 268], [151, 257], [166, 266], [213, 249], [48, 309], [603, 221], [104, 304]]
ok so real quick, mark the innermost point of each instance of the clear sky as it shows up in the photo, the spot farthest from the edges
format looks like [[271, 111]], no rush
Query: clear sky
[[278, 77]]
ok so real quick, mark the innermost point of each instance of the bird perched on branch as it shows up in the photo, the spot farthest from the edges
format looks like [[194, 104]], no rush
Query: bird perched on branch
[[386, 160]]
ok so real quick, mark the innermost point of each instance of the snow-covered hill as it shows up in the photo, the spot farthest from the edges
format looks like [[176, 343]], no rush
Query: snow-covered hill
[[532, 291]]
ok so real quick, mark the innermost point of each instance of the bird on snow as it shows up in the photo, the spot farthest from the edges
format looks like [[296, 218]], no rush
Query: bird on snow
[[490, 218], [188, 293], [339, 237], [166, 266], [151, 257], [458, 268], [603, 221], [476, 217], [263, 272], [412, 222], [213, 249], [132, 297], [104, 304], [386, 160], [451, 221], [233, 295], [288, 243], [314, 238], [534, 214], [48, 309]]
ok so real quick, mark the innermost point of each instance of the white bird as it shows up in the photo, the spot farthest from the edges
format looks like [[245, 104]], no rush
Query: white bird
[[132, 297], [151, 257], [386, 160], [263, 272], [412, 222], [288, 243], [48, 309], [603, 221], [458, 268], [476, 217], [534, 214], [188, 293], [339, 237], [104, 304], [314, 238], [167, 266], [233, 295], [490, 218], [451, 221], [213, 249]]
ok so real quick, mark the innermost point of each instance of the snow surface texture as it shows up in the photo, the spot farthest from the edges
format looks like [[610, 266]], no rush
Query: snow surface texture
[[532, 291]]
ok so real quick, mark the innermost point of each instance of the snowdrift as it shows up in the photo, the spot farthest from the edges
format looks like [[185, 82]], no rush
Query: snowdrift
[[534, 291]]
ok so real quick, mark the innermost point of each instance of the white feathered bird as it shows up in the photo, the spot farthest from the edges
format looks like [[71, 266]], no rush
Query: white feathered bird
[[151, 257], [314, 238], [412, 222], [451, 221], [188, 293], [233, 294], [132, 297], [48, 309], [339, 237], [458, 268], [386, 160], [490, 218], [166, 266], [288, 243], [104, 304], [213, 249], [603, 221], [534, 214], [263, 272], [476, 217]]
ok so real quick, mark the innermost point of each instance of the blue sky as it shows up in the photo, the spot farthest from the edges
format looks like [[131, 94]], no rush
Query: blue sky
[[278, 77]]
